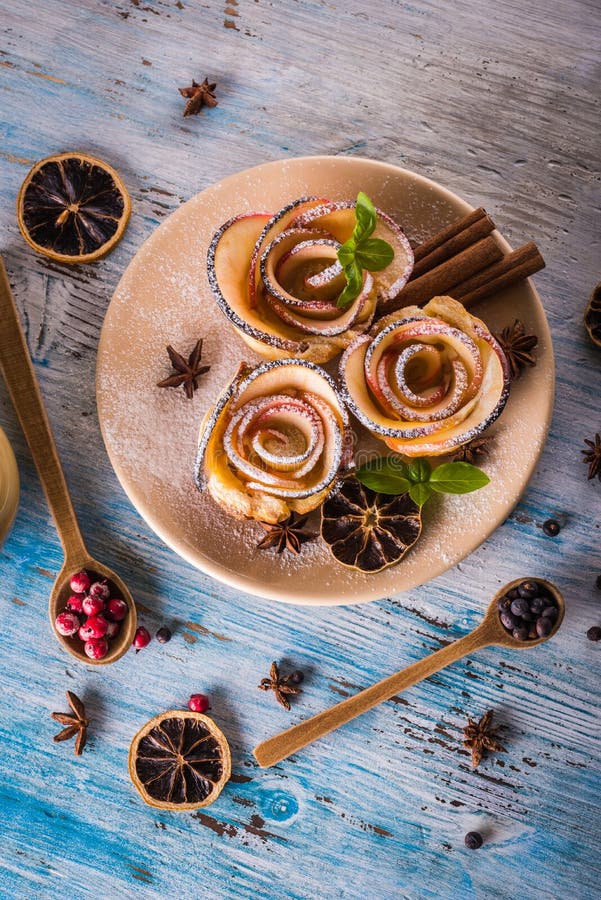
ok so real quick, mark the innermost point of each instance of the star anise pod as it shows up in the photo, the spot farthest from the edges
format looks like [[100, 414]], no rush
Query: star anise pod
[[198, 95], [281, 685], [288, 535], [517, 346], [593, 456], [474, 451], [77, 723], [481, 736], [186, 373]]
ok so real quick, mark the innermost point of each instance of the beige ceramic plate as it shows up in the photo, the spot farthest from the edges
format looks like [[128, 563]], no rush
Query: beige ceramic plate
[[151, 433]]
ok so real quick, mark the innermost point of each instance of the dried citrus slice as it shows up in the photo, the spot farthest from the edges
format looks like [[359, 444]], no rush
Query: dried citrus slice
[[179, 760], [592, 316], [366, 530], [73, 208]]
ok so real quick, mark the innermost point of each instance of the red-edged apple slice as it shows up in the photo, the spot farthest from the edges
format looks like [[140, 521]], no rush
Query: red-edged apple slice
[[339, 219], [275, 442], [323, 327], [310, 317], [375, 402], [304, 271], [227, 269], [276, 224]]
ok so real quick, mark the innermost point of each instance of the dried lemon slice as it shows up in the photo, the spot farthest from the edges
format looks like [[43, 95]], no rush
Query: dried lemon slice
[[592, 316], [73, 208], [369, 531], [180, 760]]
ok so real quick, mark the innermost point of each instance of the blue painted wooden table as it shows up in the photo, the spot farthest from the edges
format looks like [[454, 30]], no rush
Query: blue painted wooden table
[[496, 101]]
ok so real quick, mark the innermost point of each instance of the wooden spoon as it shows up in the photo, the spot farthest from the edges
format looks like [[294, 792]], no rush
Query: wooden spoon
[[23, 388], [489, 632]]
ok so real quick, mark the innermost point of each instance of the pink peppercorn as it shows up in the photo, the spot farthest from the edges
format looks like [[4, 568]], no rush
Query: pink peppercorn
[[67, 623], [92, 605], [199, 703], [141, 638], [117, 609], [79, 582], [96, 648]]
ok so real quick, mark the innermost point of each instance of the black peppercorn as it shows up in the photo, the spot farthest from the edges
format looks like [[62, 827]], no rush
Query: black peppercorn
[[598, 582], [297, 677], [594, 633], [163, 635], [473, 840], [551, 527]]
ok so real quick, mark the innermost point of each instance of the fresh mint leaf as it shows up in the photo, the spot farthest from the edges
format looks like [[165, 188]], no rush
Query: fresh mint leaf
[[419, 471], [346, 253], [373, 254], [420, 492], [383, 483], [457, 478], [365, 214], [362, 252], [387, 474], [354, 283]]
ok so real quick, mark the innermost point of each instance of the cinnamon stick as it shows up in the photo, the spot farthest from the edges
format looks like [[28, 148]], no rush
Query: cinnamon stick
[[442, 278], [447, 233], [515, 266], [453, 245]]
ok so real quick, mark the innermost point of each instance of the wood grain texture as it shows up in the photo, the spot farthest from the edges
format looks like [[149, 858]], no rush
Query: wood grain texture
[[500, 103]]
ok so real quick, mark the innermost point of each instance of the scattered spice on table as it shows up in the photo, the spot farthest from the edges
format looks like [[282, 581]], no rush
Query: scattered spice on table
[[198, 95], [142, 638], [594, 633], [473, 840], [199, 703], [474, 451], [592, 456], [187, 372], [518, 347], [76, 723], [163, 635], [289, 535], [551, 527], [282, 685], [480, 736]]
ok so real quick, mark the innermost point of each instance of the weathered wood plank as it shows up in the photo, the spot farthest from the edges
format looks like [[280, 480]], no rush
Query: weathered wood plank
[[497, 102]]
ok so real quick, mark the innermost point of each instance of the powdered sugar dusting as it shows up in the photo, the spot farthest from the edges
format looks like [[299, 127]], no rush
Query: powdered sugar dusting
[[151, 433]]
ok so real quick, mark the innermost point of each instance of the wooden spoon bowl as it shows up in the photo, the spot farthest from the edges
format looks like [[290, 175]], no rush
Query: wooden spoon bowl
[[61, 591], [497, 634]]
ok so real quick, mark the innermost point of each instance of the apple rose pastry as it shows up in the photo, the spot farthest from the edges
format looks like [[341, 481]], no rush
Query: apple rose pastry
[[279, 281], [426, 380], [275, 442]]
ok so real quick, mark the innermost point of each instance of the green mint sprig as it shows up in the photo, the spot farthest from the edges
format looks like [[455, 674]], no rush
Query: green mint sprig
[[361, 251], [391, 475]]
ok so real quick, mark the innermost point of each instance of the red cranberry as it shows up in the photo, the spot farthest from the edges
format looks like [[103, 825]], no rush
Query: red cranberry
[[141, 638], [117, 609], [199, 703], [92, 605], [74, 603], [67, 623], [96, 649], [97, 625], [100, 589], [80, 582], [112, 629]]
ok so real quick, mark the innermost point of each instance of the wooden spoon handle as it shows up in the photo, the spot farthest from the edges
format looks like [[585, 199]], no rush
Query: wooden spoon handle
[[287, 742], [24, 391]]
